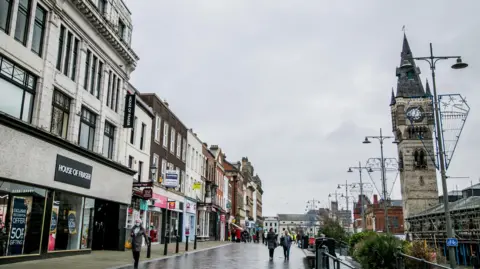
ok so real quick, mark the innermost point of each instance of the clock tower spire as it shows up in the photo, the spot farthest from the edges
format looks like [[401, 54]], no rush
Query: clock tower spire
[[412, 123]]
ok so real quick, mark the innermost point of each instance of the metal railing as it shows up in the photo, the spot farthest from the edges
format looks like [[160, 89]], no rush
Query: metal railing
[[403, 260], [324, 260]]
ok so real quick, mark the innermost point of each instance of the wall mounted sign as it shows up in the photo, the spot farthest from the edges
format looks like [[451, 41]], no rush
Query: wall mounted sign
[[147, 193], [190, 207], [73, 172], [142, 184], [160, 201], [171, 179], [20, 210], [171, 204], [129, 114]]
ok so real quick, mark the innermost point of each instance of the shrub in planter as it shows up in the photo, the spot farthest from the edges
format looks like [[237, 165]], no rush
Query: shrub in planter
[[421, 251], [357, 238], [378, 252]]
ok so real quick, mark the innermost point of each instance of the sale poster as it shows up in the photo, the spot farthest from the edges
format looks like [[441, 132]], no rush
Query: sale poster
[[72, 222], [18, 228], [53, 228]]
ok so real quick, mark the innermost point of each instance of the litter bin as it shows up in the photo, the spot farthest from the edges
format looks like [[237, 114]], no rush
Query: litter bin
[[305, 242]]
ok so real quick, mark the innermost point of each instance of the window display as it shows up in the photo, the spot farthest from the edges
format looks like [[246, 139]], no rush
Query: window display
[[87, 227], [65, 229], [21, 218]]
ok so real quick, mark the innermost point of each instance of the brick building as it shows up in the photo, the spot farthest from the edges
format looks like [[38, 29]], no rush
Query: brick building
[[375, 216]]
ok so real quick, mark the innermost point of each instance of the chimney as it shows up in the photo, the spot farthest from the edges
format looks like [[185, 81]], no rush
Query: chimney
[[375, 199], [205, 144], [165, 102]]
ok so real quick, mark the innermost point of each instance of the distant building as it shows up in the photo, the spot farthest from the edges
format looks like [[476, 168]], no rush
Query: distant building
[[300, 223], [270, 222], [375, 216]]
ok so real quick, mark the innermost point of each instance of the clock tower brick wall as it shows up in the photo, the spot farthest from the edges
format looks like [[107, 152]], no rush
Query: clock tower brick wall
[[416, 153]]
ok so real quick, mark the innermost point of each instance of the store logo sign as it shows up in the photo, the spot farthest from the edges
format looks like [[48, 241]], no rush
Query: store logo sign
[[73, 172], [129, 116]]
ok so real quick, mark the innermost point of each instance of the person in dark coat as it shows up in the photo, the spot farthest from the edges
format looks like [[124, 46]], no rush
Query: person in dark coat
[[137, 234], [271, 242]]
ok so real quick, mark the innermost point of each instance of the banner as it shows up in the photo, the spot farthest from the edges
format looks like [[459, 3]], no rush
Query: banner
[[19, 226], [129, 115], [72, 222], [53, 228]]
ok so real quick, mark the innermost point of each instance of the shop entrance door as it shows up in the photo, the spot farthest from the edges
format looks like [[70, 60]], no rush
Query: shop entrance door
[[106, 234]]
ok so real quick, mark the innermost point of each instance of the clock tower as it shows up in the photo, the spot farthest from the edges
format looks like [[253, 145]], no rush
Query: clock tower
[[412, 122]]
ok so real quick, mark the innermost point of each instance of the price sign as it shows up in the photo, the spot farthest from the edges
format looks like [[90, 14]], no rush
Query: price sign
[[19, 223]]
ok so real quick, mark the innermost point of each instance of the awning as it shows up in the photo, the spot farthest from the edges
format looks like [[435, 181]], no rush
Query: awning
[[236, 226]]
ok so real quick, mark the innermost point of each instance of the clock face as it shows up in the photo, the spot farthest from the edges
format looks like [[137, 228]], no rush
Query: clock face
[[415, 114]]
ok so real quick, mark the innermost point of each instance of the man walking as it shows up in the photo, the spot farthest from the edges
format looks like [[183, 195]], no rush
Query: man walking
[[286, 242]]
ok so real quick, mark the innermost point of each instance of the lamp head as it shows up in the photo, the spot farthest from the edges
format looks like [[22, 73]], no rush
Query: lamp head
[[349, 170], [459, 64], [370, 170], [366, 141]]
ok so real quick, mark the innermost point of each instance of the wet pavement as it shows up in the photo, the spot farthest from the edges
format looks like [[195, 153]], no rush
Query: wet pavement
[[233, 256]]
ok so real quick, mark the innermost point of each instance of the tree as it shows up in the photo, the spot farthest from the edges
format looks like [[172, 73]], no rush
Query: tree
[[333, 229]]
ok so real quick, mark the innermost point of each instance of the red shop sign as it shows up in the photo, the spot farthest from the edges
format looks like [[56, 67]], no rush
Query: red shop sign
[[171, 205]]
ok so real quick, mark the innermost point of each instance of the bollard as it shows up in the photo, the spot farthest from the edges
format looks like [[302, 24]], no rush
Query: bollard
[[149, 248], [195, 242], [178, 242], [186, 244], [165, 250]]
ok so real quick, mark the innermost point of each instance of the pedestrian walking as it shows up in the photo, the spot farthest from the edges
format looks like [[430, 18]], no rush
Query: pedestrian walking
[[286, 242], [474, 260], [263, 237], [271, 243], [257, 238], [138, 232]]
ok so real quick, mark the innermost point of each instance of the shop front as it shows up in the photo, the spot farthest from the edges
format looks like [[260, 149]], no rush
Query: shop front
[[203, 222], [190, 220], [154, 217], [55, 198]]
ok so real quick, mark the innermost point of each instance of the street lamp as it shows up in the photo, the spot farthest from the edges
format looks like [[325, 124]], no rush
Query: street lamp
[[381, 138], [153, 171], [432, 60], [369, 170]]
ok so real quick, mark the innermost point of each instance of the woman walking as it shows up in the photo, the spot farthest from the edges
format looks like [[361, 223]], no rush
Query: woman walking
[[271, 242], [138, 232]]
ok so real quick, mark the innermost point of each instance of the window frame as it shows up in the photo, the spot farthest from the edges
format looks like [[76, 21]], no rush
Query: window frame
[[28, 84], [165, 137], [42, 27], [158, 129], [65, 109], [94, 74], [68, 52], [26, 29], [61, 41], [130, 161], [172, 140], [87, 69], [110, 135], [8, 19], [132, 131], [76, 43], [140, 171], [99, 79], [91, 123], [157, 164], [179, 146]]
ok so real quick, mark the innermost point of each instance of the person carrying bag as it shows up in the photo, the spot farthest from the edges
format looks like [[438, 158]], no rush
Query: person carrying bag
[[137, 234]]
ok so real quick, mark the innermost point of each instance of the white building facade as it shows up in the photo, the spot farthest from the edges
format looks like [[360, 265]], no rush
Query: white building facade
[[194, 186], [137, 157], [63, 77], [271, 222]]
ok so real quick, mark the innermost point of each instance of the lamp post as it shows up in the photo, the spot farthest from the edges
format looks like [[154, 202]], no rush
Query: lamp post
[[381, 138], [312, 204], [432, 60], [360, 168]]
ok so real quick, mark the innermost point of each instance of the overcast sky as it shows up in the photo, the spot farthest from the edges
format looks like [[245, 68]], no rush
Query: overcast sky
[[295, 85]]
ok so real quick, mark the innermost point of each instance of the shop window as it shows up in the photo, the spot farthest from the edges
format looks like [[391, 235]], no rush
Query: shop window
[[60, 114], [21, 219], [18, 87], [87, 223], [87, 129], [65, 229]]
